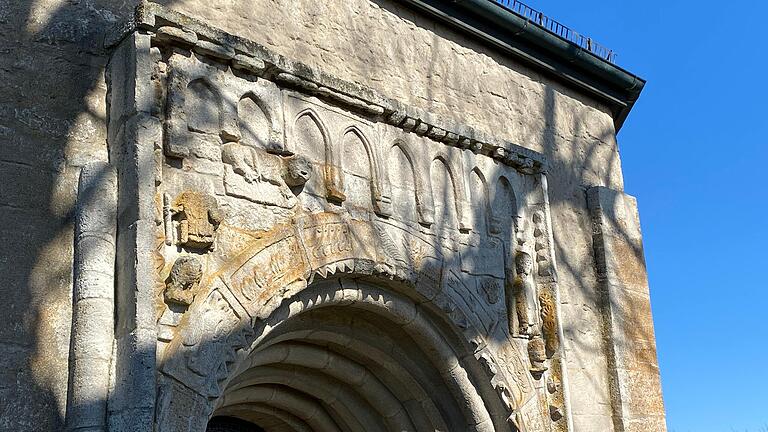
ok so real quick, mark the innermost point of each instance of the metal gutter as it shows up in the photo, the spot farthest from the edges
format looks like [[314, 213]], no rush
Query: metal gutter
[[541, 49]]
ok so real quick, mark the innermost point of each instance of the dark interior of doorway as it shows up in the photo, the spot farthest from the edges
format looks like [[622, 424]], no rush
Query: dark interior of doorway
[[231, 424]]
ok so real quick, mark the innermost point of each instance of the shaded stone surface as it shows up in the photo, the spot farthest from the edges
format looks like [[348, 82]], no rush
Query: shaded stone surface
[[53, 124]]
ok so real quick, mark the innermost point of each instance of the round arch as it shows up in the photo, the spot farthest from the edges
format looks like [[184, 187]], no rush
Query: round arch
[[350, 373], [362, 333]]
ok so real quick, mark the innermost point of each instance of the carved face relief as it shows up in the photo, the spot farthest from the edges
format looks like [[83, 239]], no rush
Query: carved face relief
[[184, 278], [298, 170], [523, 264], [537, 355]]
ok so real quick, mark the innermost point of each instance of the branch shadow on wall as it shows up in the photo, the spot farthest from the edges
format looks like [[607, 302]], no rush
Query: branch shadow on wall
[[581, 154], [52, 122], [53, 76]]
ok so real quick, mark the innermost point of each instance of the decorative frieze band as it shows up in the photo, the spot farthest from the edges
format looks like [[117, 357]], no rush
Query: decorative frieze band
[[169, 27]]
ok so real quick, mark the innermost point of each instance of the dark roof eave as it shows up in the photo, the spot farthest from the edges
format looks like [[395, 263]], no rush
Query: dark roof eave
[[541, 49]]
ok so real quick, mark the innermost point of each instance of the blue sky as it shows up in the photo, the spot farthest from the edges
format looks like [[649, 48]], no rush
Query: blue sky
[[694, 153]]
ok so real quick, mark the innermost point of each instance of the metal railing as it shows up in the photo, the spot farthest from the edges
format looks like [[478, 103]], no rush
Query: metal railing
[[555, 27]]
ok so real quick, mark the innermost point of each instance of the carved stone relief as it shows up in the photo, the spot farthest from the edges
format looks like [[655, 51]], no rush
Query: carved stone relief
[[524, 292], [277, 260], [549, 320], [208, 107], [297, 171], [261, 177], [546, 284], [195, 217], [182, 283], [504, 214], [327, 240], [537, 355], [490, 289], [344, 147], [412, 194], [205, 344], [530, 417], [346, 189], [541, 244]]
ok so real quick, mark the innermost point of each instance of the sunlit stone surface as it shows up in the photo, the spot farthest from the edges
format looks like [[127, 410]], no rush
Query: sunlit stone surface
[[330, 216]]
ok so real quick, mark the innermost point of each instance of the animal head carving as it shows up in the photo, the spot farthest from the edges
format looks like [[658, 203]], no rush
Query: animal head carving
[[298, 170]]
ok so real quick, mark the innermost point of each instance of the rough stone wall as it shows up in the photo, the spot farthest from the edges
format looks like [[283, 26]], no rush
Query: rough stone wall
[[52, 110], [52, 121]]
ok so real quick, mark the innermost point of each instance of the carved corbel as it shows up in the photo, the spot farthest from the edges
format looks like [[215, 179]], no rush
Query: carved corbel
[[334, 182], [229, 126], [425, 202], [382, 199], [297, 171]]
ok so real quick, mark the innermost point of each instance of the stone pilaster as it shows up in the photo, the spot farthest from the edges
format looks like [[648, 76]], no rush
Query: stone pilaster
[[631, 344], [134, 134]]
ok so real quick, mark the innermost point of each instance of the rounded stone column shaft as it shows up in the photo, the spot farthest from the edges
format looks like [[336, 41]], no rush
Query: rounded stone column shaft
[[93, 298]]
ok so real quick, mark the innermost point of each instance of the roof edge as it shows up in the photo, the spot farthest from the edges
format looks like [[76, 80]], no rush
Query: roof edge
[[540, 49]]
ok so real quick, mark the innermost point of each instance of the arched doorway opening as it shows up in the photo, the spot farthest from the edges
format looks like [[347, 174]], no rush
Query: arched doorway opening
[[231, 424], [353, 355]]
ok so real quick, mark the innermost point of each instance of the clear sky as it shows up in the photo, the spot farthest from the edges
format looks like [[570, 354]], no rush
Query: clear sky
[[695, 154]]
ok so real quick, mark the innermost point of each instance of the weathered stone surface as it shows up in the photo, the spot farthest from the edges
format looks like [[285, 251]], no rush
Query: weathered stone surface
[[93, 320], [183, 280], [629, 325], [52, 111], [432, 217], [333, 232]]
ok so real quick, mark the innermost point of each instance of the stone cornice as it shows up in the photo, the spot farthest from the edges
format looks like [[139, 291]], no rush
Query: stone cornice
[[173, 28]]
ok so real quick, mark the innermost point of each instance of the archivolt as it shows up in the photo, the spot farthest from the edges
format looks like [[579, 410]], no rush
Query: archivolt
[[344, 355]]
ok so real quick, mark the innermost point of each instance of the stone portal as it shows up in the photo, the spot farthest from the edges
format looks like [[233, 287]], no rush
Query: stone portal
[[328, 260], [295, 252]]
